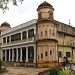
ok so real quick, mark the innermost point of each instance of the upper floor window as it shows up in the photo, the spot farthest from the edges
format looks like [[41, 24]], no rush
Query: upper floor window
[[50, 52], [41, 55], [30, 33], [4, 39], [68, 54], [50, 31], [53, 32], [41, 34], [46, 32], [16, 37], [8, 38], [39, 16], [24, 35], [59, 54], [46, 53], [60, 34]]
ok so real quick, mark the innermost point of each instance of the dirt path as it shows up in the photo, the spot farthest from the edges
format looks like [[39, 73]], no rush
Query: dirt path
[[24, 71]]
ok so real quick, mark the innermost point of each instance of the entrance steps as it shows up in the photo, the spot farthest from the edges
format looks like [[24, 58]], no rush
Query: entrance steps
[[20, 64]]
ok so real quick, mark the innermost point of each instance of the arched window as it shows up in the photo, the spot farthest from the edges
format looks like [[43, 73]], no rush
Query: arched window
[[46, 32]]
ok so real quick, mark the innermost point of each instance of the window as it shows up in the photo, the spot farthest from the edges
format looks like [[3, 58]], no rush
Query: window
[[39, 16], [68, 54], [50, 52], [46, 32], [4, 39], [16, 37], [53, 32], [41, 55], [60, 34], [41, 34], [51, 15], [59, 54], [50, 31], [8, 38], [24, 35], [30, 33], [38, 57], [46, 53]]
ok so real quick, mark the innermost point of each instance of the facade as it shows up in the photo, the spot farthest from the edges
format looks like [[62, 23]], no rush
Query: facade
[[42, 42]]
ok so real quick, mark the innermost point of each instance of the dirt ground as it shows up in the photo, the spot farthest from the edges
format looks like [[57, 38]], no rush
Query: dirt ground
[[24, 71]]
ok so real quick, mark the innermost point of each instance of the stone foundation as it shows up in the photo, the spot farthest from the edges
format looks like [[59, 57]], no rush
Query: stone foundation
[[47, 64]]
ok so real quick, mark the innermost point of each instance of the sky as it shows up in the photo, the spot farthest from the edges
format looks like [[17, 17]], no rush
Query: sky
[[16, 15]]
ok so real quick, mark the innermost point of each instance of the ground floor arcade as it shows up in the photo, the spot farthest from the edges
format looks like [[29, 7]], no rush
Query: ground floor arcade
[[19, 54]]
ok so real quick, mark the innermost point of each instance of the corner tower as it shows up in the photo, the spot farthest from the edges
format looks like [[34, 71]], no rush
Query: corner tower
[[46, 33], [45, 11], [5, 26]]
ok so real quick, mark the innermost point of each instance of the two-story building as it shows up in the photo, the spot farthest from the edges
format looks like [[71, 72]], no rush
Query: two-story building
[[42, 42]]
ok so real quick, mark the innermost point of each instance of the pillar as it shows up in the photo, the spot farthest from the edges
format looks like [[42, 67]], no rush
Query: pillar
[[27, 34], [12, 54], [35, 54], [10, 38], [26, 54], [17, 54], [20, 54], [43, 54], [48, 53], [56, 52], [21, 35], [9, 54], [5, 55]]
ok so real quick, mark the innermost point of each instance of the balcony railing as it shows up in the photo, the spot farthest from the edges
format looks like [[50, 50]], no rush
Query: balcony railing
[[19, 41]]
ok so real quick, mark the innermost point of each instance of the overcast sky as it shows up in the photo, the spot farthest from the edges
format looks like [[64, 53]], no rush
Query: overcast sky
[[64, 10]]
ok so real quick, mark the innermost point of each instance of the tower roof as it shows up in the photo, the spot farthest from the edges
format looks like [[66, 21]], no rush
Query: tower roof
[[5, 24], [45, 4]]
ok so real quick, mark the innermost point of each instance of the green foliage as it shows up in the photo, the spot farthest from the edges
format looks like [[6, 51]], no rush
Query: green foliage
[[54, 71], [48, 73], [1, 63], [4, 4], [66, 72]]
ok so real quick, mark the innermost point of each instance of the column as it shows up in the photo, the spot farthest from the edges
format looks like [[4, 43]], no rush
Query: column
[[39, 53], [21, 35], [5, 55], [10, 38], [27, 34], [20, 54], [9, 54], [56, 52], [26, 54], [12, 54], [17, 54], [6, 39], [48, 53], [43, 54], [35, 54]]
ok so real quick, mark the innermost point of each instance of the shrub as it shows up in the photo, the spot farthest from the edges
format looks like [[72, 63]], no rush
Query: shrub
[[1, 63], [55, 71], [66, 72]]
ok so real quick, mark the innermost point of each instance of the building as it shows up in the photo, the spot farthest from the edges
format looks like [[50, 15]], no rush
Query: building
[[42, 42]]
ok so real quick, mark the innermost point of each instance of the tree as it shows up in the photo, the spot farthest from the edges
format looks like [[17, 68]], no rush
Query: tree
[[4, 4]]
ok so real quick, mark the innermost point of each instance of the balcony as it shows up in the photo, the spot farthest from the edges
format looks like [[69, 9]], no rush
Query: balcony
[[19, 42]]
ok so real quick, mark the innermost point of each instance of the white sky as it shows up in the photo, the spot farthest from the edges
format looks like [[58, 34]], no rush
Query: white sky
[[64, 10]]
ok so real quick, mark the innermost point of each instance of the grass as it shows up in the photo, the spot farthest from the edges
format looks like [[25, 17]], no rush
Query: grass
[[48, 73]]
